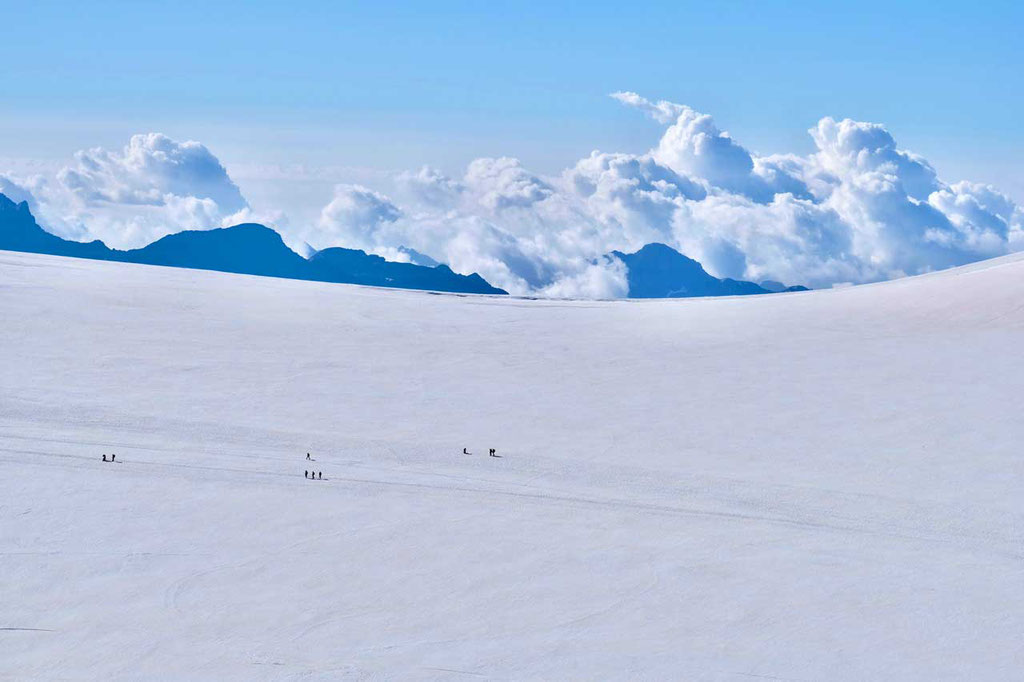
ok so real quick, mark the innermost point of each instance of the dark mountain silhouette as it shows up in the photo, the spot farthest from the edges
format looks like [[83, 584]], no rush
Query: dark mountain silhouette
[[370, 269], [655, 271], [20, 232], [249, 249], [659, 271], [778, 287]]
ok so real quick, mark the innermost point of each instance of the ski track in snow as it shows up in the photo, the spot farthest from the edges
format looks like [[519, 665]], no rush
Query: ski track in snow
[[811, 486], [835, 521]]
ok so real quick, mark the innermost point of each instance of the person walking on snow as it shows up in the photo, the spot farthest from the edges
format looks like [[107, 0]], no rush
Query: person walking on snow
[[465, 451], [320, 475], [305, 474], [104, 458], [112, 457], [308, 458]]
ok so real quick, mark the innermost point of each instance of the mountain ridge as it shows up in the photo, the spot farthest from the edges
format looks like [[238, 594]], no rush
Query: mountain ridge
[[653, 271], [658, 271], [247, 248]]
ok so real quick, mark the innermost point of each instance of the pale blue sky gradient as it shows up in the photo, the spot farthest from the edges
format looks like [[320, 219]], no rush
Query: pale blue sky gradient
[[396, 85]]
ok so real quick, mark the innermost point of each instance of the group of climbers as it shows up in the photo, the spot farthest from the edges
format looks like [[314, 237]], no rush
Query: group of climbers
[[490, 453]]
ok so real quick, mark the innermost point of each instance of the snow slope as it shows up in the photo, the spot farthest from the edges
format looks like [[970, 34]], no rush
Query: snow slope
[[811, 486]]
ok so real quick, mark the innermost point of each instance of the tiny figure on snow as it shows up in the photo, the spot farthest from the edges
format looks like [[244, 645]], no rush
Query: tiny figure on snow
[[308, 457], [104, 458], [112, 457], [493, 452], [320, 475], [305, 474], [465, 451]]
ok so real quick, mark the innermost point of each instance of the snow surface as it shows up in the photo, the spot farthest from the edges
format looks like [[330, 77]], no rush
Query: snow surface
[[811, 486]]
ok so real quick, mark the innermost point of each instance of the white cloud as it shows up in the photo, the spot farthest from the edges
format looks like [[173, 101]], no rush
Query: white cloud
[[603, 278], [430, 186], [850, 148], [661, 111], [504, 183], [857, 209], [353, 218], [148, 169], [130, 197], [16, 192], [632, 198], [986, 218]]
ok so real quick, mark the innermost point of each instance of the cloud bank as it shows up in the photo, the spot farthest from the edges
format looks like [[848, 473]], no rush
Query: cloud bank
[[857, 209], [152, 187]]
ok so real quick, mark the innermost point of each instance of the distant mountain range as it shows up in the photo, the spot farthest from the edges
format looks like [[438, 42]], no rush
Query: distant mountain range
[[659, 271], [655, 271], [249, 249]]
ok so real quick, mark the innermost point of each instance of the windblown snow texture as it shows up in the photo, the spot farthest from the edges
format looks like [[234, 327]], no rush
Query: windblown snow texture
[[818, 486]]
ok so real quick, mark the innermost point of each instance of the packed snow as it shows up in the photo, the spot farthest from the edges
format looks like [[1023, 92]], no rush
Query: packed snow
[[811, 486]]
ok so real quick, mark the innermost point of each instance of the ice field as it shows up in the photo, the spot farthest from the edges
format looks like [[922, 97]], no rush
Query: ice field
[[813, 486]]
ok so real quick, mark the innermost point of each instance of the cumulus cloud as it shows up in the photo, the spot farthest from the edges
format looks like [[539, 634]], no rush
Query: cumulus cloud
[[852, 148], [430, 186], [857, 209], [632, 197], [151, 187], [504, 183], [603, 278], [902, 218], [353, 218], [986, 218], [148, 169], [16, 192], [661, 111]]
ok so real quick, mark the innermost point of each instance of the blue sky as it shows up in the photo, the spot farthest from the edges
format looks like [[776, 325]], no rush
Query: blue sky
[[398, 84]]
